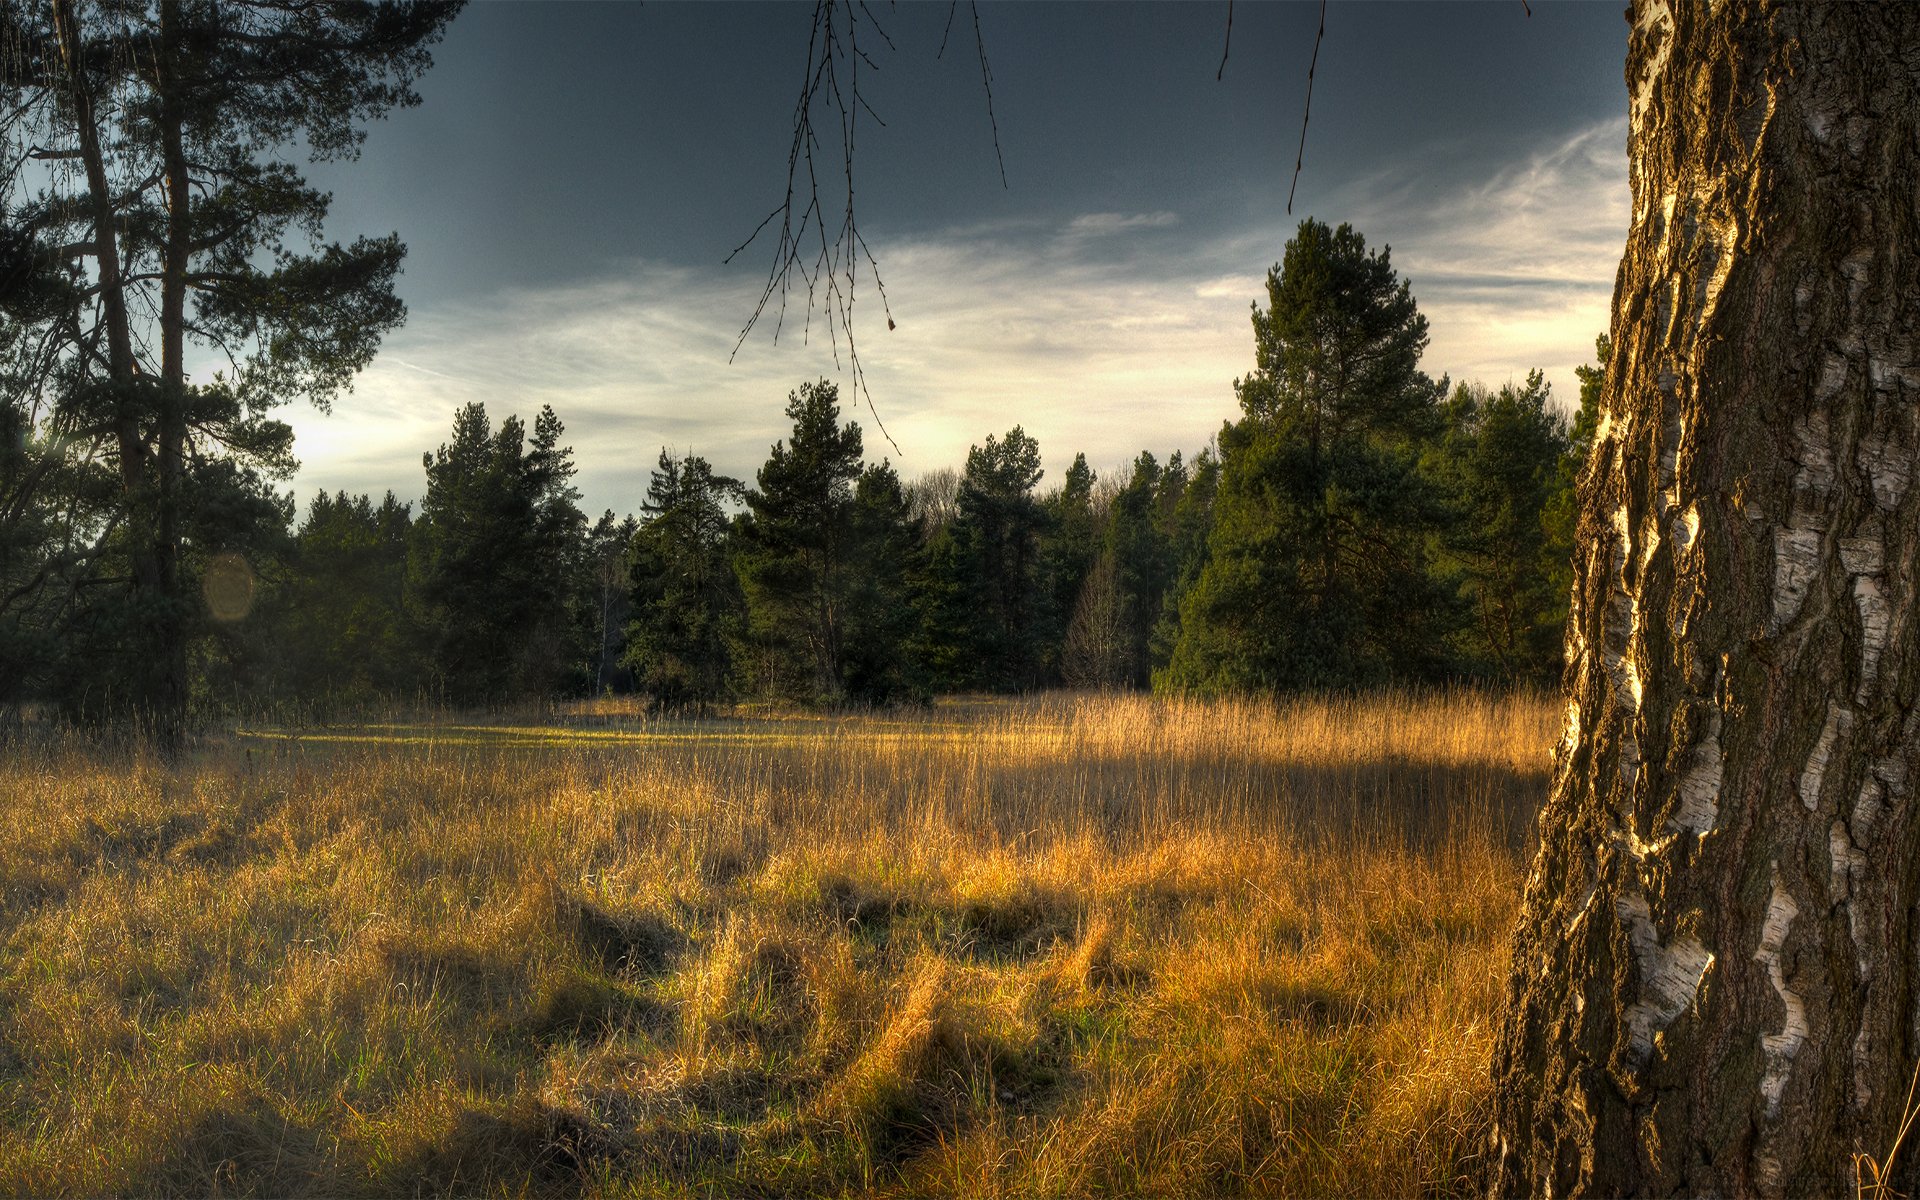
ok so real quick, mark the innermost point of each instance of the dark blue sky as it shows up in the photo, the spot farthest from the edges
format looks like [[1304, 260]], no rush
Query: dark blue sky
[[577, 172]]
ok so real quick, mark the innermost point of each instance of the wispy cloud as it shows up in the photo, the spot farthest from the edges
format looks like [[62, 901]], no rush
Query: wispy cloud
[[1090, 349], [1516, 272], [1105, 224]]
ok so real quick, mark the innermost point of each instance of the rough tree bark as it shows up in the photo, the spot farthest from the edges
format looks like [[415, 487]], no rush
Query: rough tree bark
[[1715, 980]]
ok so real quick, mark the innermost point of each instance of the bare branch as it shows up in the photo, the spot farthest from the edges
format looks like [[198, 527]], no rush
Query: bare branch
[[1228, 48], [1300, 155], [986, 81]]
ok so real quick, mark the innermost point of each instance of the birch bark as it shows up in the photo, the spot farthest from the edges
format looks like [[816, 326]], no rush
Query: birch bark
[[1714, 984]]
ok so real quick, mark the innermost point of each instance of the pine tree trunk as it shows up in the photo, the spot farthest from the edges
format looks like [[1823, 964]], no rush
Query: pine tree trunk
[[1715, 980]]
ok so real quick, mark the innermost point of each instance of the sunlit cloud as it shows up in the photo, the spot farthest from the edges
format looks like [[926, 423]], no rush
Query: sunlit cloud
[[1107, 334], [1517, 273]]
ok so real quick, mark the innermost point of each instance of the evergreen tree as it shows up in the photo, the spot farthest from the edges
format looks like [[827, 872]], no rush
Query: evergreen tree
[[1502, 459], [1317, 570], [889, 553], [1140, 553], [986, 592], [1068, 551], [1188, 529], [687, 607], [342, 618], [495, 551], [796, 566], [184, 225]]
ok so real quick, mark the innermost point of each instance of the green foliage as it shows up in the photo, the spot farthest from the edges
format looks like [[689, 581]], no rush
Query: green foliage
[[797, 563], [1068, 552], [495, 552], [986, 592], [687, 608], [889, 545], [1317, 571], [344, 620], [1189, 526], [184, 226], [1502, 459]]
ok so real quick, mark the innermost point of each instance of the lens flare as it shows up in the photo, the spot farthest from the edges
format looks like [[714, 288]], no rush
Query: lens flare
[[228, 587]]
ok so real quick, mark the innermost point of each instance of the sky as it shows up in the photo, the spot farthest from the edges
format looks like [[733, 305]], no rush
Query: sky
[[577, 173]]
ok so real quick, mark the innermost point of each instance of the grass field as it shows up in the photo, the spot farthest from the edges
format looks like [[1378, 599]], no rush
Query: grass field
[[1057, 947]]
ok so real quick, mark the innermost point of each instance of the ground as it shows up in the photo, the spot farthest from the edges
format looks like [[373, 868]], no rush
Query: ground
[[1058, 946]]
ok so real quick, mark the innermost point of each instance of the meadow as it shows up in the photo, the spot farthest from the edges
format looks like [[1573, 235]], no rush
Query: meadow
[[1059, 946]]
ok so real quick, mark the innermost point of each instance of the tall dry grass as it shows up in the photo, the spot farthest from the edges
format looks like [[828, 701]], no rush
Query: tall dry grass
[[1065, 946]]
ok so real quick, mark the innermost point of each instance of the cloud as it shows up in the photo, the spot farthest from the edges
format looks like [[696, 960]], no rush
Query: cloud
[[997, 324], [1090, 225], [1088, 355], [1516, 272]]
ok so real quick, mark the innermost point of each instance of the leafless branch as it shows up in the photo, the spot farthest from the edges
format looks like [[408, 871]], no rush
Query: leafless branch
[[829, 264], [986, 82], [1226, 49], [828, 268], [1305, 113]]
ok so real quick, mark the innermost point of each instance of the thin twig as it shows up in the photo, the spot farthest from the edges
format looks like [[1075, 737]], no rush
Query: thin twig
[[828, 269], [1301, 154], [986, 81], [1228, 48], [953, 6]]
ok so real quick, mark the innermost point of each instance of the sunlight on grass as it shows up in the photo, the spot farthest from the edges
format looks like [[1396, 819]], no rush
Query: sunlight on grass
[[1065, 946]]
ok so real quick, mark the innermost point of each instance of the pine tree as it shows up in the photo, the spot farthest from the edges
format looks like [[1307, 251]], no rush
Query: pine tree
[[343, 621], [796, 565], [688, 612], [1317, 571], [497, 545], [1501, 460], [987, 594], [889, 563], [219, 247], [1068, 551]]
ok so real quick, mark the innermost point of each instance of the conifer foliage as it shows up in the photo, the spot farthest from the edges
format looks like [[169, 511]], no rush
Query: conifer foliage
[[687, 608], [1318, 563], [498, 542], [149, 208]]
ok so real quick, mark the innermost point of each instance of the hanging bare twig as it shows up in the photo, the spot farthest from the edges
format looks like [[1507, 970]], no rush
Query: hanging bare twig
[[986, 82], [953, 6], [1300, 154], [828, 268], [1226, 49]]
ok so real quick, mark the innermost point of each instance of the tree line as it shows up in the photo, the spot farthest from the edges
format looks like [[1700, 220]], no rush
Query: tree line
[[1358, 524]]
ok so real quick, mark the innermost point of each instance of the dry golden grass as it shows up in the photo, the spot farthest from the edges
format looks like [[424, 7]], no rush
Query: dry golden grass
[[1057, 947]]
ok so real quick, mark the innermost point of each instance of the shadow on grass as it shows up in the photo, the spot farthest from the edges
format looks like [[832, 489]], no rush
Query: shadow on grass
[[245, 1149]]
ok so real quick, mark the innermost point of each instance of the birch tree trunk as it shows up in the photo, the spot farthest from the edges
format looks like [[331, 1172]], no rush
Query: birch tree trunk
[[1715, 980]]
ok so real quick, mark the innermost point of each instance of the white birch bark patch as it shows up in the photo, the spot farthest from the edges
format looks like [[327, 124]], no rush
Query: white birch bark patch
[[1780, 1047], [1839, 721], [1697, 805], [1670, 975]]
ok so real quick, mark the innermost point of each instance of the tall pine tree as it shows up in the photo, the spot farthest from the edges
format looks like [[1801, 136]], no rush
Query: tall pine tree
[[687, 608], [796, 565], [1317, 570], [497, 546]]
